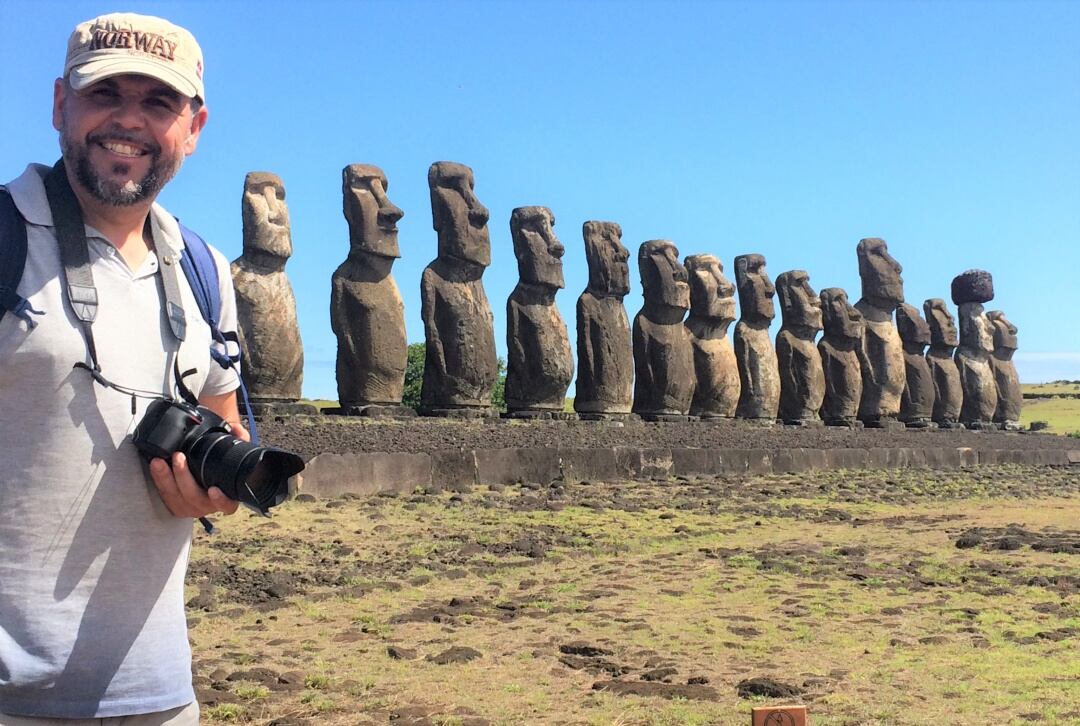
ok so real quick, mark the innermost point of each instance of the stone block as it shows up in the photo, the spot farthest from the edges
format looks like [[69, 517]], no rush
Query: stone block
[[759, 461], [594, 465], [453, 470], [656, 463], [512, 466], [328, 475], [847, 458], [972, 286], [695, 462], [968, 456]]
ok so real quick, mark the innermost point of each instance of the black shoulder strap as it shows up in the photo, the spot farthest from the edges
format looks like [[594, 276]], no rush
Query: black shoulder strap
[[74, 252], [13, 260]]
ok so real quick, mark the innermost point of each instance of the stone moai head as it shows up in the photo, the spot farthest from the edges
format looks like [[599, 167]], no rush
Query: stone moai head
[[609, 271], [265, 216], [912, 328], [756, 290], [970, 289], [976, 330], [538, 251], [712, 295], [942, 325], [840, 319], [799, 304], [372, 217], [1004, 332], [457, 215], [882, 285], [663, 278]]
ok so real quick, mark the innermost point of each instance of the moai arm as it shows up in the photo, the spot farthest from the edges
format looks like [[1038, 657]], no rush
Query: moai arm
[[746, 359], [429, 302]]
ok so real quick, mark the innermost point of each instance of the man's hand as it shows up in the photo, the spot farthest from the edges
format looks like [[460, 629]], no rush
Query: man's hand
[[182, 494]]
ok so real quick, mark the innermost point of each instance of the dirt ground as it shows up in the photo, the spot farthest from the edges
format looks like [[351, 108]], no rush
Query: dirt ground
[[873, 597], [309, 436]]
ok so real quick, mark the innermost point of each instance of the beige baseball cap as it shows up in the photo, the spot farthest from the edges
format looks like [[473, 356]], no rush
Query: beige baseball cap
[[118, 43]]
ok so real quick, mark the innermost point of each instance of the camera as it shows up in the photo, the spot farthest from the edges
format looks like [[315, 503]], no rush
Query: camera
[[256, 476]]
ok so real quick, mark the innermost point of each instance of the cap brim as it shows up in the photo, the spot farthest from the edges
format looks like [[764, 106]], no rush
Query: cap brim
[[96, 70]]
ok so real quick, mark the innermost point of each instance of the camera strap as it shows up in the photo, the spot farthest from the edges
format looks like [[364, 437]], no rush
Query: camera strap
[[79, 279]]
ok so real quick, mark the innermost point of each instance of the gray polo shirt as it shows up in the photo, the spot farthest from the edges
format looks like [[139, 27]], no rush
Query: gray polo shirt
[[91, 562]]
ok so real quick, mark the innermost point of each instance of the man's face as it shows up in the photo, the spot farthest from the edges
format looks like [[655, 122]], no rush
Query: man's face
[[756, 290], [1004, 331], [912, 328], [125, 137], [458, 216], [609, 271], [711, 294], [371, 215], [538, 250], [266, 218]]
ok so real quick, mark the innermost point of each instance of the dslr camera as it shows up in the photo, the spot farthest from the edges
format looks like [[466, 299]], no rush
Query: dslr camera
[[256, 476]]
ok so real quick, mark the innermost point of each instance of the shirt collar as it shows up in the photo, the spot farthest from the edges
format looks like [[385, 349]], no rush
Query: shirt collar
[[28, 193]]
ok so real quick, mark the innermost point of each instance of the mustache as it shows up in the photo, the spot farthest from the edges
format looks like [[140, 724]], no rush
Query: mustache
[[125, 137]]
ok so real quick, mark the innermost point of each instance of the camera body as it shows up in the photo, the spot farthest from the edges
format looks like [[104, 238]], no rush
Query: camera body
[[253, 475]]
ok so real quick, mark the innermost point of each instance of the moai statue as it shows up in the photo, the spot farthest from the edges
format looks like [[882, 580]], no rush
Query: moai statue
[[840, 359], [1010, 398], [881, 355], [948, 393], [917, 400], [460, 366], [969, 291], [712, 311], [366, 311], [539, 362], [663, 356], [265, 305], [759, 377], [605, 379], [802, 378]]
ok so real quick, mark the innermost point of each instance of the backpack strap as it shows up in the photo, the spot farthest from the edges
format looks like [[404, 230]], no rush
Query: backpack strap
[[13, 260], [201, 271]]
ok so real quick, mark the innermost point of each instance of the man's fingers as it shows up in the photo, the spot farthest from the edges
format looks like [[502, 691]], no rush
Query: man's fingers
[[222, 502]]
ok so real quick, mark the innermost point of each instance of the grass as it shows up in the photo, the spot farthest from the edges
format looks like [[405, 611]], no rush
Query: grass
[[1062, 414], [876, 614]]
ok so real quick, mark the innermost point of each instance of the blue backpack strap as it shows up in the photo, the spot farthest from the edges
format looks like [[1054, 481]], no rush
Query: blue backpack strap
[[199, 267], [13, 260]]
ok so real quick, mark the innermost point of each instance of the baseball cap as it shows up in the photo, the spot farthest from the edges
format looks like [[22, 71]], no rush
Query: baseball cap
[[119, 43]]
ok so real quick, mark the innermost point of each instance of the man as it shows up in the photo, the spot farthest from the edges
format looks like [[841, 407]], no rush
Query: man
[[94, 551]]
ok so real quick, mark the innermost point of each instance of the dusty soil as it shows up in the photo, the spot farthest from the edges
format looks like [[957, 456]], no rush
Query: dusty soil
[[888, 597], [309, 436]]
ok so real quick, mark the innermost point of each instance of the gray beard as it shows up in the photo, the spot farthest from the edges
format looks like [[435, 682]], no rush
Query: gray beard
[[108, 192]]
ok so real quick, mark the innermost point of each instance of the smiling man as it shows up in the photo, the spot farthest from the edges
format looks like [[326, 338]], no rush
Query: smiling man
[[93, 543]]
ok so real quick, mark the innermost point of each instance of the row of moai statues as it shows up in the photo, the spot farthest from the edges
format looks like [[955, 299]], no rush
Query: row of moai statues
[[675, 363]]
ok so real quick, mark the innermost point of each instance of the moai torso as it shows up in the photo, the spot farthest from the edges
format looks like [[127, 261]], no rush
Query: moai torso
[[840, 359], [460, 364], [759, 377], [539, 362], [970, 291], [265, 304], [917, 401], [1010, 398], [948, 393], [366, 311], [802, 378], [712, 311], [663, 357], [881, 355], [605, 379]]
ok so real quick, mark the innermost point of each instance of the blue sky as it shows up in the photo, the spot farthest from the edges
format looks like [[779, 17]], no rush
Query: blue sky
[[792, 129]]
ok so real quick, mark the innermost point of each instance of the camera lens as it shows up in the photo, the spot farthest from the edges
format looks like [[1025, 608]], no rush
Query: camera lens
[[254, 475]]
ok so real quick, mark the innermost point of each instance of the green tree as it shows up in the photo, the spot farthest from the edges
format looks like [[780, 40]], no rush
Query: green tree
[[414, 380]]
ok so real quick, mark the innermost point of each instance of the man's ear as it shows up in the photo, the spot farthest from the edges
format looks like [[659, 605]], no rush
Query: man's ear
[[59, 90], [198, 121]]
